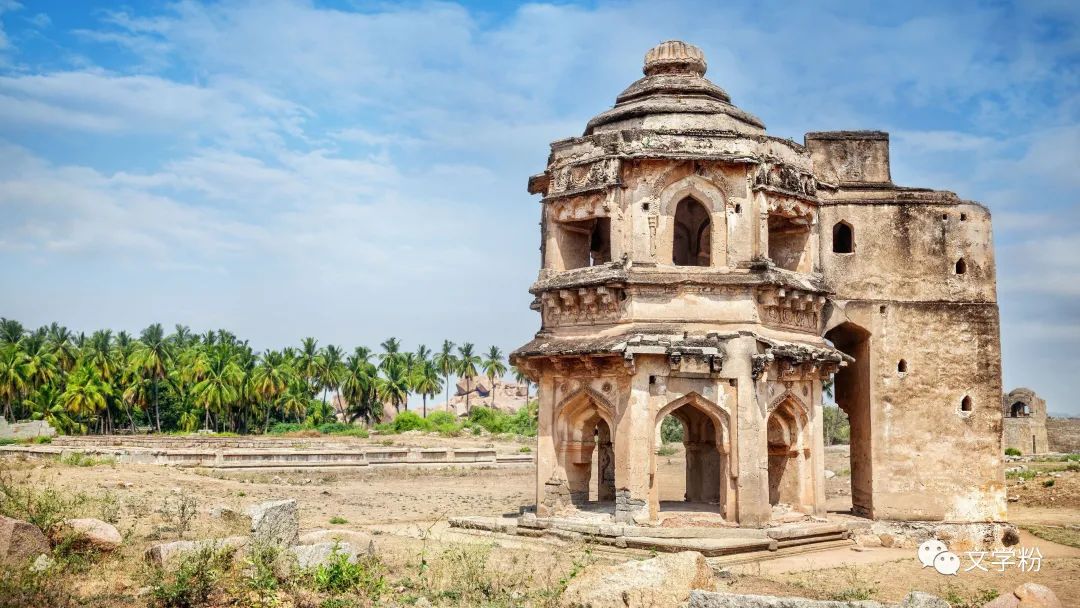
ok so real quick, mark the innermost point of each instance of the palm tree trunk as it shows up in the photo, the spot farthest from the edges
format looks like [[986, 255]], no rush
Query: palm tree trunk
[[424, 397], [468, 391], [157, 412], [446, 383], [206, 419], [492, 380]]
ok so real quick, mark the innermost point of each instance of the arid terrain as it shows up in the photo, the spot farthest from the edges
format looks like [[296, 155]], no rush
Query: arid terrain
[[406, 510]]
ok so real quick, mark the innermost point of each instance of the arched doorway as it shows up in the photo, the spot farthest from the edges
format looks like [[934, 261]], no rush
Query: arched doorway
[[692, 243], [704, 475], [851, 388], [790, 481], [585, 451], [1020, 409]]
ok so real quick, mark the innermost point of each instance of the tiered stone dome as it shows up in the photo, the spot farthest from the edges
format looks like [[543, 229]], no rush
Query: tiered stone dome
[[674, 95]]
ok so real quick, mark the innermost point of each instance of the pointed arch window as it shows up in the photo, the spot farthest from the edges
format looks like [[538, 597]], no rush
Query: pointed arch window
[[692, 242], [843, 238], [961, 266]]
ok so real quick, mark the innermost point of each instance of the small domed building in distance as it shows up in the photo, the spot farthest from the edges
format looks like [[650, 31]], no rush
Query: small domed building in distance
[[1024, 427], [692, 265]]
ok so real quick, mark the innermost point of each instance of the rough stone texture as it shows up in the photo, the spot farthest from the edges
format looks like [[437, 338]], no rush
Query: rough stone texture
[[1033, 595], [25, 430], [694, 266], [20, 541], [359, 540], [1063, 435], [1024, 422], [93, 533], [314, 555], [166, 554], [653, 583], [276, 522], [702, 599]]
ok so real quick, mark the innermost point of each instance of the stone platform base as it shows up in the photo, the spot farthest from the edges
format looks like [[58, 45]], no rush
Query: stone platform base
[[731, 545]]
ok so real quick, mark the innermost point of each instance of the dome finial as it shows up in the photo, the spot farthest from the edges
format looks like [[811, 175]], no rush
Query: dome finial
[[675, 57]]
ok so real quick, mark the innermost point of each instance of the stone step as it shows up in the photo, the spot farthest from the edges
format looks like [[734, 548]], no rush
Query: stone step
[[709, 547], [757, 556], [805, 530]]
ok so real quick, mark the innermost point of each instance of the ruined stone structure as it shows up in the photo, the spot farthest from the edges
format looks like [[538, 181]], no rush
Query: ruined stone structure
[[1024, 426], [695, 266]]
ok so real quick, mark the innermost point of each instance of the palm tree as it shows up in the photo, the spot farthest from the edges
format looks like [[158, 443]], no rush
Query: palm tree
[[87, 394], [11, 331], [295, 399], [467, 362], [391, 351], [154, 355], [359, 386], [393, 386], [494, 368], [427, 382], [270, 379], [181, 336], [331, 370], [60, 343], [446, 363], [46, 403], [220, 387], [15, 374], [308, 362], [521, 378]]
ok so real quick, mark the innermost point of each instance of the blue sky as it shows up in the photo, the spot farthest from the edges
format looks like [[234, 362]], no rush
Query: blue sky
[[352, 171]]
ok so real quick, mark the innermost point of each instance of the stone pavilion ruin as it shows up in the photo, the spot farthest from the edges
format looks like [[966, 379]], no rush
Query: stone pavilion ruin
[[694, 265]]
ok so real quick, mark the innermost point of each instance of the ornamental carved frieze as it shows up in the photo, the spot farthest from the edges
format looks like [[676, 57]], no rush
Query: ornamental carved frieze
[[785, 178], [582, 177], [582, 305], [790, 308], [581, 207]]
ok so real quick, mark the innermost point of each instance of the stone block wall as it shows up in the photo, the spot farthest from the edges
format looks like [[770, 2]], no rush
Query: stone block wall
[[1063, 434], [25, 430]]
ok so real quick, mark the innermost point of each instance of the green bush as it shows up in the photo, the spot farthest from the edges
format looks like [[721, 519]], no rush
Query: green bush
[[522, 422], [1012, 452], [1049, 483], [193, 581], [671, 430], [338, 520], [342, 575], [409, 421], [282, 428], [42, 506], [666, 449], [441, 417]]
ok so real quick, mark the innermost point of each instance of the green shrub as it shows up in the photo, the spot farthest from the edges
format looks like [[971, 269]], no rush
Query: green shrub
[[409, 421], [282, 428], [78, 459], [522, 422], [8, 441], [342, 575], [193, 581], [1049, 483], [525, 449], [441, 417], [40, 505], [666, 449], [338, 520], [24, 588], [1012, 452]]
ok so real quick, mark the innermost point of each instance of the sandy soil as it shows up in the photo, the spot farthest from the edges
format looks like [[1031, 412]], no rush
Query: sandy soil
[[399, 503]]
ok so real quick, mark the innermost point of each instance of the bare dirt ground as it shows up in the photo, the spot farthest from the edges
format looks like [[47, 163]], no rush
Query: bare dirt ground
[[404, 507]]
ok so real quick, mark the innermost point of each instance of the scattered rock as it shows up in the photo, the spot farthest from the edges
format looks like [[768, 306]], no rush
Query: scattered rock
[[20, 541], [229, 514], [93, 533], [1004, 601], [1014, 498], [311, 556], [166, 554], [887, 540], [275, 523], [662, 581], [918, 599], [829, 474], [1034, 595], [1010, 537]]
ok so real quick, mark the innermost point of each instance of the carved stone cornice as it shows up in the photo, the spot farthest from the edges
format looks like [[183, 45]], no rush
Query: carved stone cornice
[[790, 308]]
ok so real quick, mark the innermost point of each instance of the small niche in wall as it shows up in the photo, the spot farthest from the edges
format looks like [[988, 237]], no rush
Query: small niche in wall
[[944, 217], [961, 266], [738, 208], [965, 404], [901, 367], [882, 309], [843, 238], [963, 217]]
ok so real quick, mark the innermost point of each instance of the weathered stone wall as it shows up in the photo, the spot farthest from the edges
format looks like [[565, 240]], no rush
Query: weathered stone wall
[[1028, 435], [1064, 435], [25, 430]]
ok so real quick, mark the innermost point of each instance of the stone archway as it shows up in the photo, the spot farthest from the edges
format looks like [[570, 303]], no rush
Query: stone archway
[[852, 392], [584, 450], [707, 465], [790, 475]]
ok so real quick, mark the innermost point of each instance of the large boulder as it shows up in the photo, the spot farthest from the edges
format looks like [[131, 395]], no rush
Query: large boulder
[[274, 523], [20, 541], [168, 554], [92, 533], [312, 556], [662, 581], [1034, 595]]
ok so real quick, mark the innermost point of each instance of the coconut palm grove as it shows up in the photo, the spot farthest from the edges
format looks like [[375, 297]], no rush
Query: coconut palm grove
[[182, 381]]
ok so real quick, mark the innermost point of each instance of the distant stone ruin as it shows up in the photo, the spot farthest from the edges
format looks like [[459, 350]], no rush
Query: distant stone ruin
[[693, 265], [1024, 425]]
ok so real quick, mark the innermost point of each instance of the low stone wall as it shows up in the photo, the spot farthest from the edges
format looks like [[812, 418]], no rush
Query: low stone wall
[[195, 442], [25, 430], [276, 458], [1063, 434]]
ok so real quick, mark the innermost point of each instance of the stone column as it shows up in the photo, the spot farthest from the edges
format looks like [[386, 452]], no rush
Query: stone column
[[634, 437], [546, 458]]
